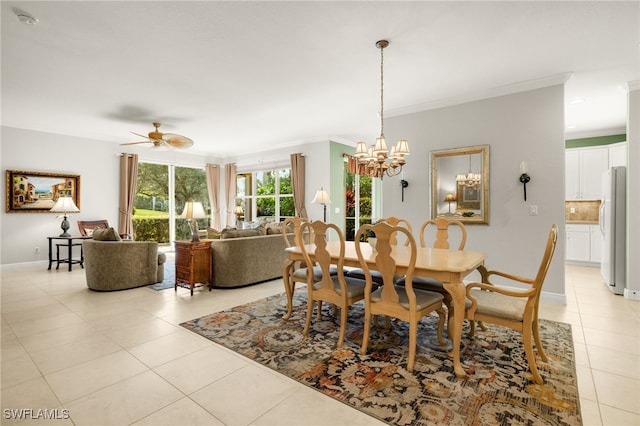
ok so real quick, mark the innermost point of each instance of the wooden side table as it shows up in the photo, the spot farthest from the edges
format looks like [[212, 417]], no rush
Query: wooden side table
[[193, 264]]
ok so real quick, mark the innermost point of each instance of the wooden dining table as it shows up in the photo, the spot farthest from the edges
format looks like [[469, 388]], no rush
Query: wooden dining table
[[448, 266]]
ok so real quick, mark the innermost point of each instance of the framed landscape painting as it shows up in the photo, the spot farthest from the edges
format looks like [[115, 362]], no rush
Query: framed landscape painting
[[29, 191]]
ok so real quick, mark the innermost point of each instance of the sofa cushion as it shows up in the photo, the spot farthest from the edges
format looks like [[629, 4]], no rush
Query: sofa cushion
[[239, 233], [106, 234], [273, 228]]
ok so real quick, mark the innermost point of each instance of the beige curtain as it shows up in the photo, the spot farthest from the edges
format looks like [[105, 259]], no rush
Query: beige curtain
[[297, 182], [128, 179], [230, 193], [212, 172]]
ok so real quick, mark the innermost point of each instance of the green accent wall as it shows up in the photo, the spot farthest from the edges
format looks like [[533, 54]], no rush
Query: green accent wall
[[595, 141], [336, 170]]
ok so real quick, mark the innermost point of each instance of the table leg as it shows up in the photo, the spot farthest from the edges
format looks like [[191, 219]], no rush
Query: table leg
[[457, 291], [286, 278], [70, 253], [50, 253]]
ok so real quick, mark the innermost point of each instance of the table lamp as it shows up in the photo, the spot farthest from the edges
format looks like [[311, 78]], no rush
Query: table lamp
[[193, 210], [449, 198], [64, 205], [322, 197]]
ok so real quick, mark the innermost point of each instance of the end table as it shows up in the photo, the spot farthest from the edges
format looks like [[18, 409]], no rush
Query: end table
[[193, 264]]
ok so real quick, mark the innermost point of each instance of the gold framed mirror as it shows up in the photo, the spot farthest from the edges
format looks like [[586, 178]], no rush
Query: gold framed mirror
[[460, 184]]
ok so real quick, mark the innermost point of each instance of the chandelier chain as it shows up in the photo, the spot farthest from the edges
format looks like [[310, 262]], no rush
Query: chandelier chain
[[382, 91]]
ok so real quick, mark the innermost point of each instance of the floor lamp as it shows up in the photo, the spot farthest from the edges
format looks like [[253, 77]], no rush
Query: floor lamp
[[322, 197]]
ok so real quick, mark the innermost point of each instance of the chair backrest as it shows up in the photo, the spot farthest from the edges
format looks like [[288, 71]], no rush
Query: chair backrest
[[290, 227], [550, 248], [385, 263], [86, 227], [396, 221], [319, 232], [442, 225]]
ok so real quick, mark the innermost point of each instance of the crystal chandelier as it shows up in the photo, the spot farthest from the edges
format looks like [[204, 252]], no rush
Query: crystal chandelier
[[377, 159], [470, 180]]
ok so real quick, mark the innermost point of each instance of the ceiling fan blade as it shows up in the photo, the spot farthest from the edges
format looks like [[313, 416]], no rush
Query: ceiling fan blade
[[136, 143], [177, 141], [142, 136]]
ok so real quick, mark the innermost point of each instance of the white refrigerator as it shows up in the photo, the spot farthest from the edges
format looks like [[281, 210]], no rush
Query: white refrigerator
[[613, 227]]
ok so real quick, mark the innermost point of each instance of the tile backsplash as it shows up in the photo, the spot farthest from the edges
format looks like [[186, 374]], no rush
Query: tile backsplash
[[583, 210]]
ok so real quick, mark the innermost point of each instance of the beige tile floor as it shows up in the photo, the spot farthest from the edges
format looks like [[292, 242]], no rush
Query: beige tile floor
[[120, 358]]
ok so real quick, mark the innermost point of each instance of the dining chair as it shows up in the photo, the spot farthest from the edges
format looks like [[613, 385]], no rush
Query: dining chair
[[296, 271], [401, 302], [515, 308], [338, 289], [393, 221], [440, 227]]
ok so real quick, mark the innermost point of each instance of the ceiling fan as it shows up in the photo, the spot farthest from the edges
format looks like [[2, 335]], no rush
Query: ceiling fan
[[166, 141]]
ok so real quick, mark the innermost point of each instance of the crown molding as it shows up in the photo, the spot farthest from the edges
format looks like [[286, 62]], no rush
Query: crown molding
[[508, 89]]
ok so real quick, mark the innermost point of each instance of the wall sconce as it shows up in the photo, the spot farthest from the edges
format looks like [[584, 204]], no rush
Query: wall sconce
[[524, 177], [449, 198], [322, 197], [403, 184]]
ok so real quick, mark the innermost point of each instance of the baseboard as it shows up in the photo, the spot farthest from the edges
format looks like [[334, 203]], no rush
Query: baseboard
[[631, 294], [23, 265]]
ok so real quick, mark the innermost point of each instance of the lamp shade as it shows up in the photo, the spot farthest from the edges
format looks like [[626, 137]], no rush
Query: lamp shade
[[450, 197], [322, 197], [64, 205], [238, 211], [193, 210]]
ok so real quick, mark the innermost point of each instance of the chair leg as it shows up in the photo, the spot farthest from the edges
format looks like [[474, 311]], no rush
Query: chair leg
[[343, 325], [536, 336], [413, 342], [528, 350], [365, 332], [442, 317], [307, 323]]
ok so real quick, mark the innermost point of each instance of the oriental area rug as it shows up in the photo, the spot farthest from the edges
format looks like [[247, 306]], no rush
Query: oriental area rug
[[497, 390]]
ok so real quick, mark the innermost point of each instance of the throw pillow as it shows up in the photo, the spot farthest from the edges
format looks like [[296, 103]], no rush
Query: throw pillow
[[106, 234], [213, 234], [250, 225], [273, 228]]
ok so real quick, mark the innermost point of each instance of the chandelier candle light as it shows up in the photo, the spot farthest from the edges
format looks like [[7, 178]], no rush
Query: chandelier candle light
[[377, 158], [65, 205], [471, 179]]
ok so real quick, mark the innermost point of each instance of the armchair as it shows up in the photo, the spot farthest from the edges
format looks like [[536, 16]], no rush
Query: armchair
[[516, 309], [119, 265]]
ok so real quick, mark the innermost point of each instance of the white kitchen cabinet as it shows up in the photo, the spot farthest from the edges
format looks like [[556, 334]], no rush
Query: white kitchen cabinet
[[618, 154], [583, 172], [578, 243], [583, 243]]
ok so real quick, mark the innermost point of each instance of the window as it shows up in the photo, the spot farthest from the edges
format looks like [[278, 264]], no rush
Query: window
[[161, 193], [265, 194], [360, 201]]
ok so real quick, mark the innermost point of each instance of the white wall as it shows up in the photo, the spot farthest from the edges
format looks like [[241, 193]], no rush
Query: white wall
[[523, 126], [97, 163]]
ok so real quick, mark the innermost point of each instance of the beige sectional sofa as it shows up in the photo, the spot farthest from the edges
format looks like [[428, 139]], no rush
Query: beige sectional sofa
[[238, 261]]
